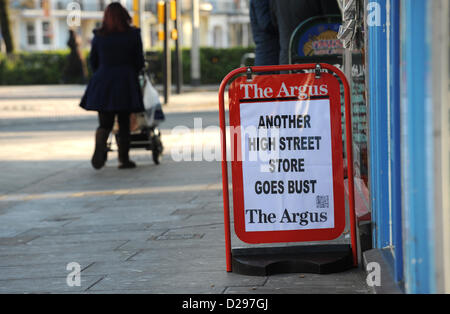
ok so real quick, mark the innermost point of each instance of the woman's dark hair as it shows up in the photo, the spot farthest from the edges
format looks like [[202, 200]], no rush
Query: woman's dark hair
[[116, 19]]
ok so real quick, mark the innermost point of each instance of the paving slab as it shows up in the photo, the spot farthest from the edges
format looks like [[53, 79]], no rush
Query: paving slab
[[46, 285], [37, 271], [177, 281]]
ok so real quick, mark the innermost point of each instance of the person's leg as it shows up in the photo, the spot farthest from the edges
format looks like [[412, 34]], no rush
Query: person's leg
[[124, 141], [106, 121]]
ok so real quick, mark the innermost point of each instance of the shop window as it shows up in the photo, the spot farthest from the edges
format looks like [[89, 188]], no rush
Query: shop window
[[359, 117], [353, 39]]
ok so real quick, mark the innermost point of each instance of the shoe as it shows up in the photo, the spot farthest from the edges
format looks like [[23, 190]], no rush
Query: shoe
[[124, 148], [101, 151]]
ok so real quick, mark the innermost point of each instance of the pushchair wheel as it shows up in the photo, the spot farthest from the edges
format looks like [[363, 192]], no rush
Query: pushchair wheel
[[157, 149]]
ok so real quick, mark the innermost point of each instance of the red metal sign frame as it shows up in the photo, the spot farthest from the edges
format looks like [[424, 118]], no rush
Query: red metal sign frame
[[295, 235]]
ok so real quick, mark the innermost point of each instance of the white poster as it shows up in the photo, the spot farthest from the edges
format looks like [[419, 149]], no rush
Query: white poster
[[287, 165]]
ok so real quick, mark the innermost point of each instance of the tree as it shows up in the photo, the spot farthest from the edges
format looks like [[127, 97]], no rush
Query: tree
[[5, 26]]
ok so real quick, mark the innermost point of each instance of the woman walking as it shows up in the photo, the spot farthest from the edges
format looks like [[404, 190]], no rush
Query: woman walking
[[116, 58]]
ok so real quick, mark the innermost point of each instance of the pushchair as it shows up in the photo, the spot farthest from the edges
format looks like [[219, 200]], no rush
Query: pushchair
[[144, 131]]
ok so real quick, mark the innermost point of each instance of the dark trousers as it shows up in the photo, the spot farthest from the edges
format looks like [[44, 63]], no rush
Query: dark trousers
[[106, 122]]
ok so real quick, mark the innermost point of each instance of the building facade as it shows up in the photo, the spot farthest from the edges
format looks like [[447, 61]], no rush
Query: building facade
[[39, 25], [230, 24], [407, 56]]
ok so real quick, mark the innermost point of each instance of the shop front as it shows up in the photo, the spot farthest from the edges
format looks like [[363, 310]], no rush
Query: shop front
[[397, 55]]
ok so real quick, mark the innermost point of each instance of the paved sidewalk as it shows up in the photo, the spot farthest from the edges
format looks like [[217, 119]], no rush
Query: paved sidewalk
[[25, 104], [153, 229]]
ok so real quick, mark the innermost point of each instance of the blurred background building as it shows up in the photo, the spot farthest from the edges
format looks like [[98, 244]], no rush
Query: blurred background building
[[39, 25]]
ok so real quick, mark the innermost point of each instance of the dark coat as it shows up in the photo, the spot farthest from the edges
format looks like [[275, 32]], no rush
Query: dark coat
[[116, 60], [265, 34], [288, 14]]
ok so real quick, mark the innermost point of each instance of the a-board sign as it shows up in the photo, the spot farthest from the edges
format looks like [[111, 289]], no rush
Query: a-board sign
[[287, 167]]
